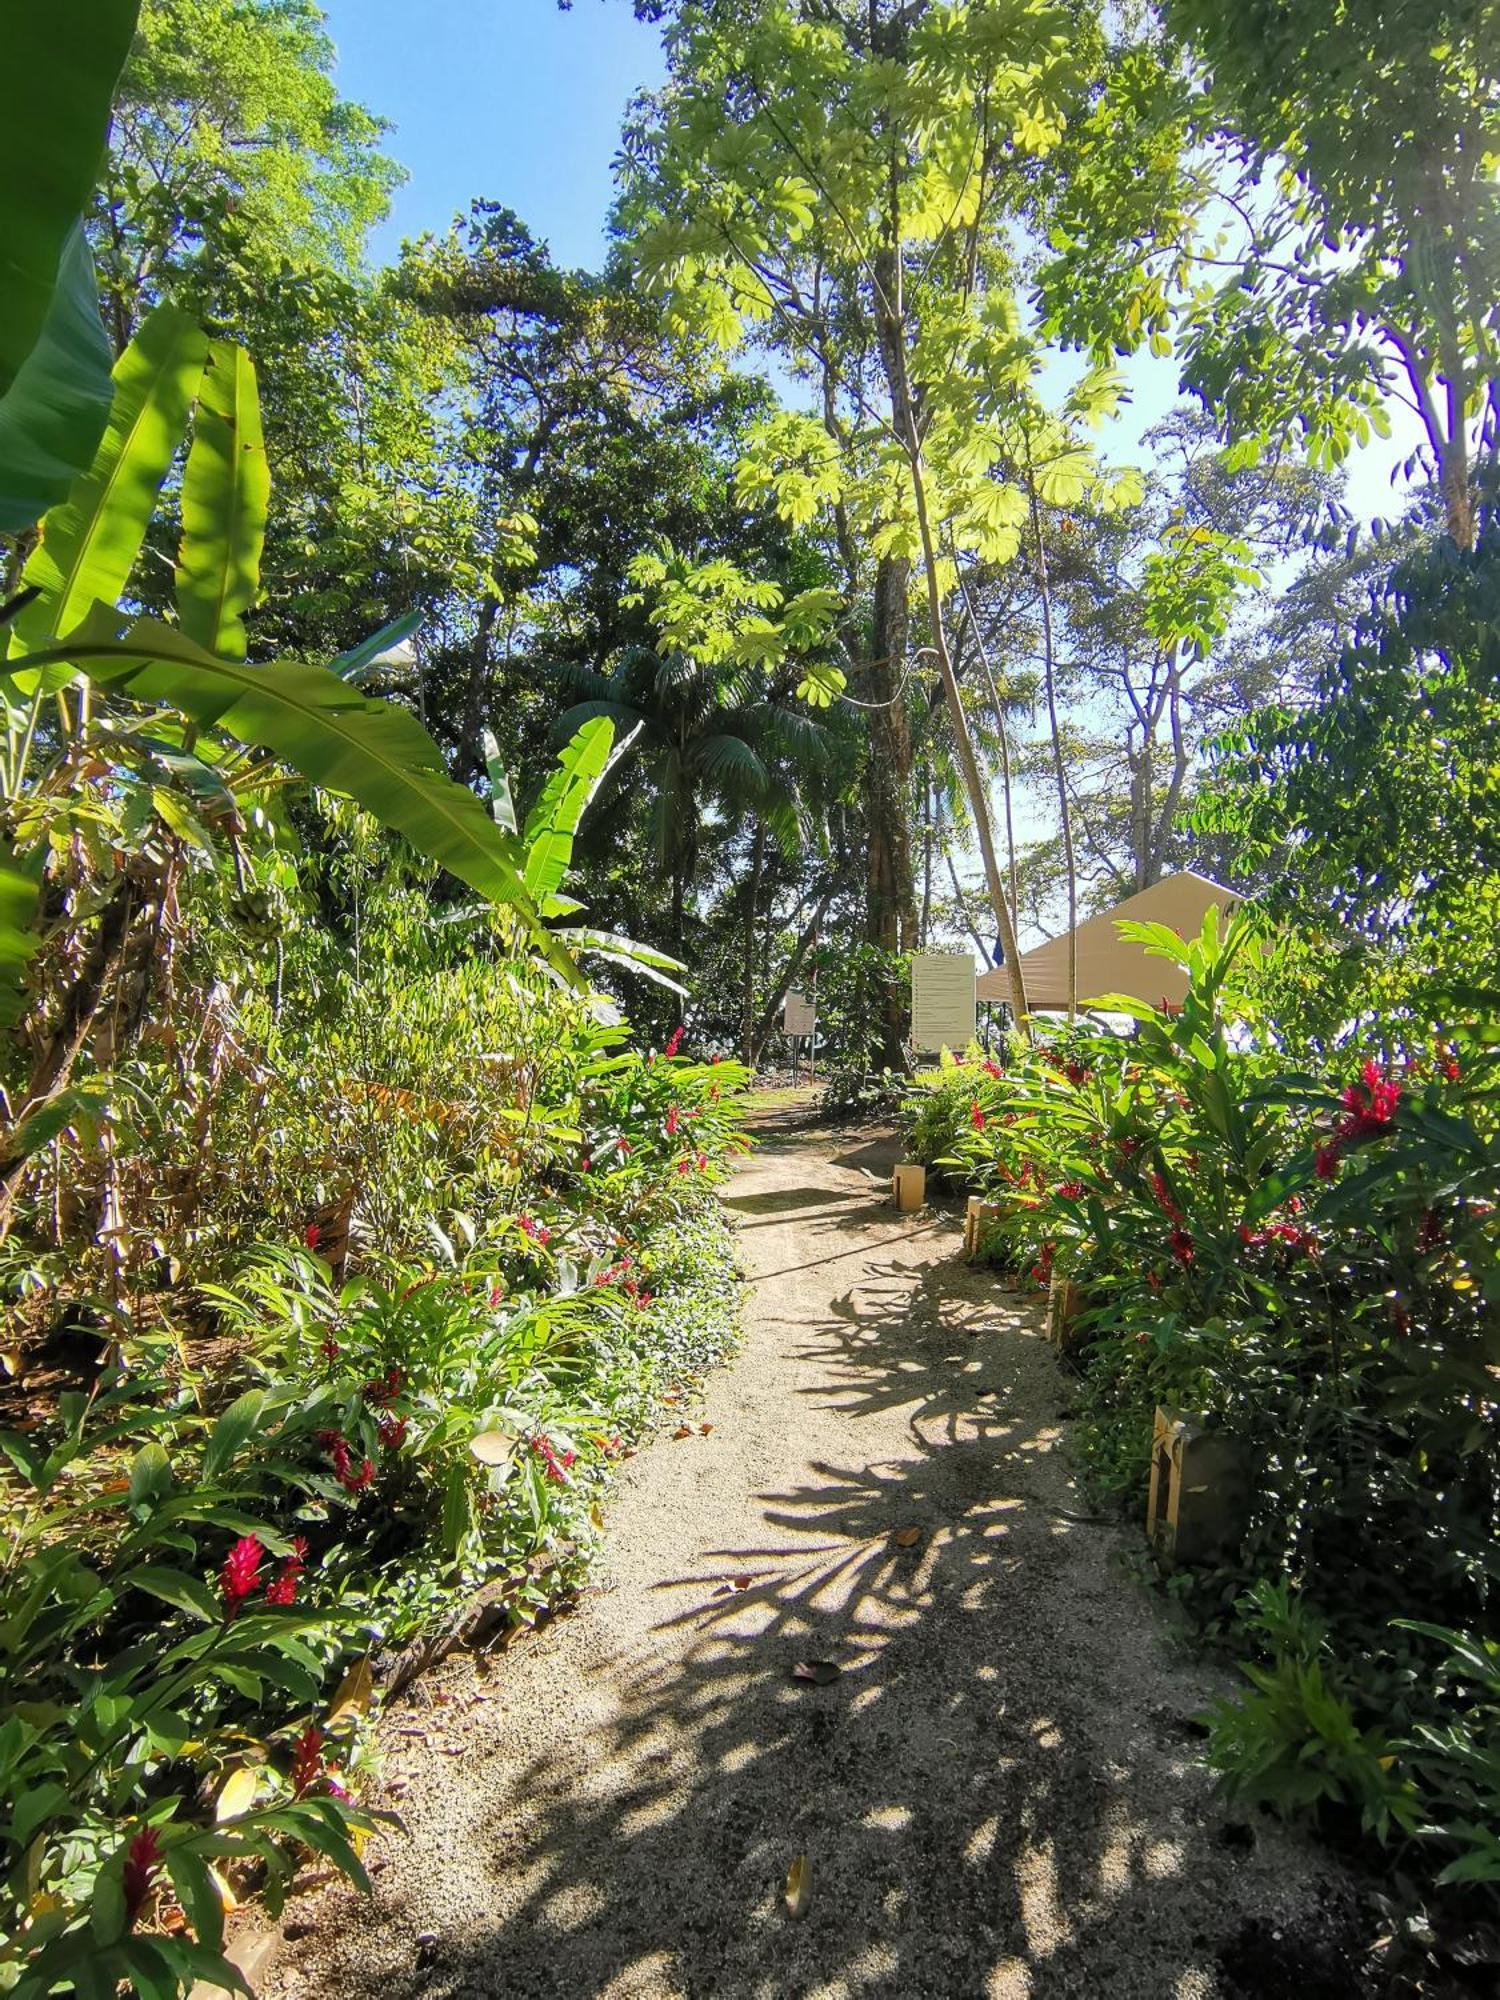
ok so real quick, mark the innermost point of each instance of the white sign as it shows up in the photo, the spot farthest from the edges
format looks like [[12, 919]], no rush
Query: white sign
[[942, 1000], [799, 1016]]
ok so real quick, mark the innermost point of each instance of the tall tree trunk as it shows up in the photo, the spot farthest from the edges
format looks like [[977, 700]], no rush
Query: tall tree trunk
[[892, 332], [1049, 662], [929, 806], [752, 900], [891, 906]]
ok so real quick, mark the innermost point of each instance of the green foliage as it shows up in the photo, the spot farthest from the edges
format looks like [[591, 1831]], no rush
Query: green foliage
[[1307, 1261], [1372, 806]]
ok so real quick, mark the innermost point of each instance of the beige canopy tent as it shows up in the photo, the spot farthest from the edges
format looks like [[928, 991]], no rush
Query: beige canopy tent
[[1108, 963]]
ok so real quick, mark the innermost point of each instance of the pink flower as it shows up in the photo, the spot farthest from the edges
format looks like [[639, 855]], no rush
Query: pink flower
[[1070, 1190], [555, 1463], [976, 1116], [991, 1068], [674, 1121], [684, 1165], [1326, 1160], [392, 1430], [674, 1044], [142, 1860], [703, 1163], [497, 1293], [585, 1165], [240, 1576]]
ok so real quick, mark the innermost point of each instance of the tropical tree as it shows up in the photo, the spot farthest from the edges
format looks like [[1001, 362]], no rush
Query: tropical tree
[[848, 180], [1308, 209]]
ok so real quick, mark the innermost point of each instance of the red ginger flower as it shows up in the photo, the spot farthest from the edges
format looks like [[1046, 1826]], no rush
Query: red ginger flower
[[556, 1463], [674, 1121], [674, 1043], [684, 1165], [283, 1588], [1182, 1246], [240, 1576], [991, 1068], [312, 1236], [384, 1389], [703, 1163], [622, 1146], [142, 1860], [307, 1761], [497, 1293], [1070, 1190], [976, 1116]]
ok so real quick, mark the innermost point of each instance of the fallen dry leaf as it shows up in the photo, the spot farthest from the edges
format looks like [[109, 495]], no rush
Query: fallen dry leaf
[[353, 1694], [704, 1429], [798, 1886], [683, 1431], [493, 1447], [819, 1672], [907, 1538]]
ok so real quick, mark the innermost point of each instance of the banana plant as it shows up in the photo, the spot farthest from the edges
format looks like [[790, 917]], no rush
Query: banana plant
[[586, 761], [100, 705], [54, 358]]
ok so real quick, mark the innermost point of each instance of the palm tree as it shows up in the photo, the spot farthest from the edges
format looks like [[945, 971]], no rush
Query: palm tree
[[721, 736]]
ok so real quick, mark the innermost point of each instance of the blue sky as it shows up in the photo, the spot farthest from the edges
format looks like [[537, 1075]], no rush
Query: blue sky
[[520, 103], [507, 99]]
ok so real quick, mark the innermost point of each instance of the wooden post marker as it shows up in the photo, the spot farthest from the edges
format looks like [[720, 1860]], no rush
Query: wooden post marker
[[909, 1185], [1064, 1304], [978, 1215], [1199, 1490]]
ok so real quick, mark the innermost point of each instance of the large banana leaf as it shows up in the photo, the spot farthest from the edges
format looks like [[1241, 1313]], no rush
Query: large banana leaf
[[62, 61], [91, 541], [54, 412], [553, 820], [357, 662], [372, 750], [226, 489], [653, 965], [20, 888]]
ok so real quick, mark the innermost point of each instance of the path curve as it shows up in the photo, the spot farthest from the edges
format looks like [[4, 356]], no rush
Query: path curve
[[998, 1796]]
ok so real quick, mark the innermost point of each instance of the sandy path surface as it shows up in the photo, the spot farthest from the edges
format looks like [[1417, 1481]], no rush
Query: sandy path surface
[[997, 1795]]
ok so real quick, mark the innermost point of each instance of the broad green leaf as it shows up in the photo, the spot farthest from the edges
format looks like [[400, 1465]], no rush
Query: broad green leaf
[[62, 62], [553, 820], [232, 1430], [356, 663], [372, 750], [652, 965], [226, 489], [502, 805], [20, 891], [53, 414], [91, 541], [177, 1588]]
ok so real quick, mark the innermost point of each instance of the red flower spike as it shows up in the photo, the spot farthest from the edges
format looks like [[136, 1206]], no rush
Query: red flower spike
[[142, 1860], [976, 1116], [307, 1761], [240, 1576], [674, 1122], [674, 1043], [622, 1147], [312, 1236]]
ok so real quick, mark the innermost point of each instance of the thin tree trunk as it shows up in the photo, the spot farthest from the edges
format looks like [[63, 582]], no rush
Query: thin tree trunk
[[752, 899], [793, 966], [892, 332], [1049, 659]]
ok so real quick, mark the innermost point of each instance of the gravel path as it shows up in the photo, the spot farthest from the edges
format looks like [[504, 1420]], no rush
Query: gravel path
[[996, 1796]]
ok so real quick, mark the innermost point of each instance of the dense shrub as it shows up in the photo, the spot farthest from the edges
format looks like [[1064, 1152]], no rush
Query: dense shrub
[[405, 1253], [1311, 1263]]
